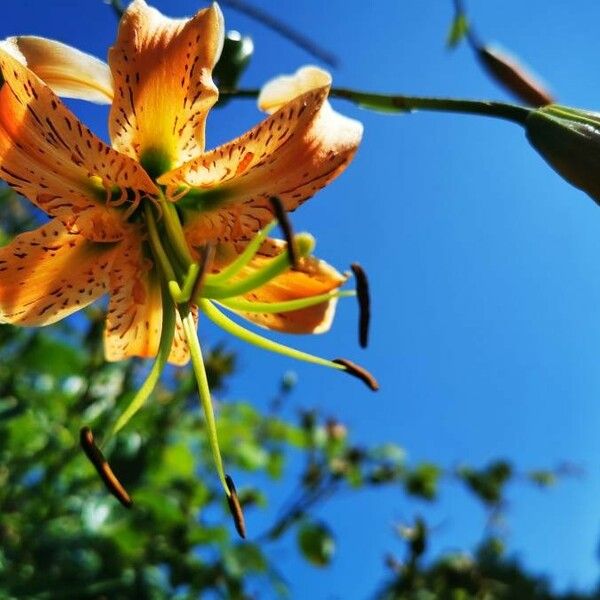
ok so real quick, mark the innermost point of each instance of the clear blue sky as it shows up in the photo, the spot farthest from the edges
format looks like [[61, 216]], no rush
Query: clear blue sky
[[484, 269]]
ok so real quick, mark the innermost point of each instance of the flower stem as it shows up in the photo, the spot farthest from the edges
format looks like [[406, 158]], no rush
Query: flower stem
[[189, 329], [394, 103]]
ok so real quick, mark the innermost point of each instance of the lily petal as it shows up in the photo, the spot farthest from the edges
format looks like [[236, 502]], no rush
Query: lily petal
[[163, 86], [292, 154], [67, 71], [312, 278], [49, 273], [47, 155], [277, 92], [134, 319]]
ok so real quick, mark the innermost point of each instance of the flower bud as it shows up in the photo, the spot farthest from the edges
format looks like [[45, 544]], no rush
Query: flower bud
[[513, 76], [569, 141]]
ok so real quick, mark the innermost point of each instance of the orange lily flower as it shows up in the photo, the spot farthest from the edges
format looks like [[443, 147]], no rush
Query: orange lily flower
[[139, 219]]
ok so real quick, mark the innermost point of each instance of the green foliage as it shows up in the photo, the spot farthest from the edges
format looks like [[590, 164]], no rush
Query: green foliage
[[316, 543], [458, 30]]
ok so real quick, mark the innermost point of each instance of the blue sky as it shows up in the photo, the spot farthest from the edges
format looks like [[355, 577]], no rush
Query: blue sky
[[483, 263]]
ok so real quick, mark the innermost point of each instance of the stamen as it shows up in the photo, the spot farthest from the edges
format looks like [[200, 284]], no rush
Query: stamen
[[191, 336], [364, 303], [286, 229], [304, 243], [208, 256], [243, 259], [164, 349], [235, 508], [217, 317], [96, 457], [243, 305], [359, 372], [157, 248]]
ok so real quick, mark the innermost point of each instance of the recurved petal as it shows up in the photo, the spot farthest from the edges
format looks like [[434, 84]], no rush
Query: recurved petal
[[312, 277], [292, 154], [67, 71], [279, 91], [49, 273], [135, 311], [163, 85], [47, 155]]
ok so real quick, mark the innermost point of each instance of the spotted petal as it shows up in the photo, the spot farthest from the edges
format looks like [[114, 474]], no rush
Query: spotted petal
[[312, 278], [67, 71], [47, 155], [292, 154], [134, 319], [49, 273], [163, 86]]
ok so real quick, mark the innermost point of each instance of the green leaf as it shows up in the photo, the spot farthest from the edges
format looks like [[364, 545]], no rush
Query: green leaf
[[316, 543], [542, 478], [52, 357], [423, 481], [458, 30]]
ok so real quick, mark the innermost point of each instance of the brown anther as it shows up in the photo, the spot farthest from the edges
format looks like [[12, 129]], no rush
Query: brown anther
[[364, 303], [235, 508], [204, 265], [514, 77], [286, 229], [359, 372], [94, 454]]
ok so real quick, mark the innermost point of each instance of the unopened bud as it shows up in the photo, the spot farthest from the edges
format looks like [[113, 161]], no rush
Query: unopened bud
[[569, 141]]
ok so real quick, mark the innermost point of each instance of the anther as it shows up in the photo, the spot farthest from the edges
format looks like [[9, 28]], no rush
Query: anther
[[208, 255], [364, 303], [286, 229], [359, 372], [235, 508], [94, 454]]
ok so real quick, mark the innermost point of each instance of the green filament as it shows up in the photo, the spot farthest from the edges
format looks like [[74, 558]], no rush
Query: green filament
[[204, 391], [175, 232], [157, 248], [164, 349], [217, 317], [243, 259], [284, 306], [184, 293], [304, 245]]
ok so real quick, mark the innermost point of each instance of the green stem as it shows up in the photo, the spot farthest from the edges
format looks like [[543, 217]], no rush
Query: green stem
[[284, 306], [395, 103], [164, 349], [217, 317], [189, 329]]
